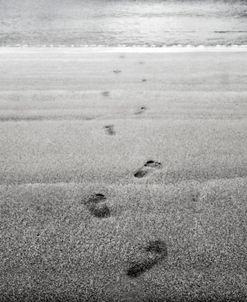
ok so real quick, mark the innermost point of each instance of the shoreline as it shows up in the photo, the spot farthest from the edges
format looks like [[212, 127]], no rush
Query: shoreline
[[119, 49]]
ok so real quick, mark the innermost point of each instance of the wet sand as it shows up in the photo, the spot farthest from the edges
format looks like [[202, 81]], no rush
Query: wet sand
[[123, 175]]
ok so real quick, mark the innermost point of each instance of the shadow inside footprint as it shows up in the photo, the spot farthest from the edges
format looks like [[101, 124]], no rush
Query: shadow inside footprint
[[141, 110], [144, 80], [153, 164], [146, 168], [140, 173], [139, 268], [116, 71], [105, 93], [100, 211], [95, 198], [97, 207], [110, 129], [158, 249]]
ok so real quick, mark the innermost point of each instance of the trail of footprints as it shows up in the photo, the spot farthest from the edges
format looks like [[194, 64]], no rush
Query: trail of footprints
[[110, 128], [96, 202], [155, 250]]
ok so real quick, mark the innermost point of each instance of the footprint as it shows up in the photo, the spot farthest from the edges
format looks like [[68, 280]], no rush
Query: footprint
[[110, 129], [100, 211], [95, 198], [105, 93], [147, 168], [157, 247], [144, 80], [153, 164], [156, 251], [140, 173], [122, 57], [141, 62], [97, 207], [141, 110], [195, 197], [117, 71], [139, 268], [194, 205]]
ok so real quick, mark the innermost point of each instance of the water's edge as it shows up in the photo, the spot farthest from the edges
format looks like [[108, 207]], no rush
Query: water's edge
[[107, 49]]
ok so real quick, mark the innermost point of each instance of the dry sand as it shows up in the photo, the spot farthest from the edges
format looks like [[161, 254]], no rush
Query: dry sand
[[74, 123]]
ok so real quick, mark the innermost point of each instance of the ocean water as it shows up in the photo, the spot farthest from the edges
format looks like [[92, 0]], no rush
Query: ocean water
[[122, 23]]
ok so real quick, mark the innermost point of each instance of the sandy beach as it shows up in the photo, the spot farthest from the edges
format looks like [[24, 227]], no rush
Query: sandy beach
[[123, 175]]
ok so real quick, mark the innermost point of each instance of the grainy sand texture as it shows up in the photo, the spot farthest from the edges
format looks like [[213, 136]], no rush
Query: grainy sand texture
[[123, 175]]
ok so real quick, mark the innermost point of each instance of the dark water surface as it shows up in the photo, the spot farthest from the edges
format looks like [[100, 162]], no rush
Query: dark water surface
[[122, 22]]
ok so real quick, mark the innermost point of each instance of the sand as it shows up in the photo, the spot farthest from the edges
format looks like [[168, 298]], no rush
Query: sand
[[161, 136]]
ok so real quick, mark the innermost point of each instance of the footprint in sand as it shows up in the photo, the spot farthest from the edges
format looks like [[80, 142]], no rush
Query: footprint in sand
[[95, 198], [147, 168], [141, 110], [141, 62], [194, 205], [105, 93], [110, 129], [144, 80], [97, 207], [153, 164], [117, 71], [100, 211], [141, 173], [155, 251], [122, 57]]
